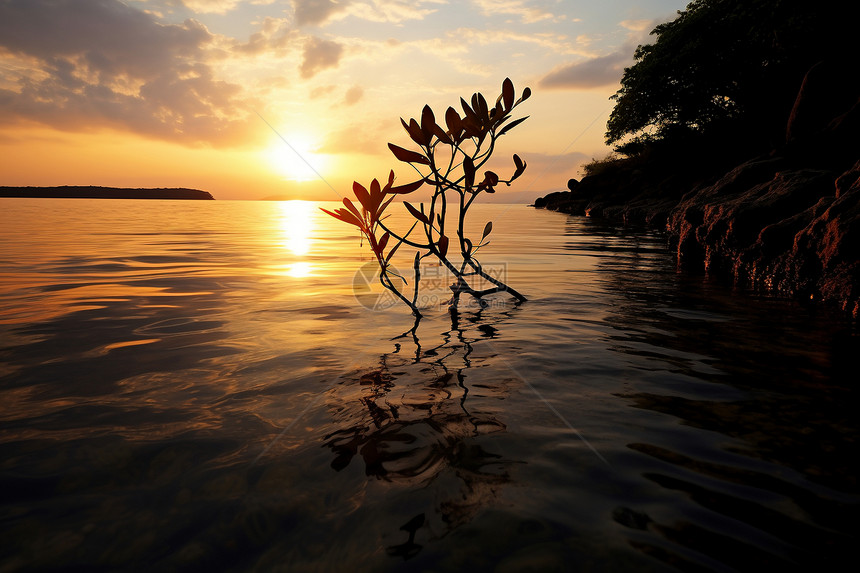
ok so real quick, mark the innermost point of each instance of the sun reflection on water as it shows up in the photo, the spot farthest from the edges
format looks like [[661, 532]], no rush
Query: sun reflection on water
[[297, 225]]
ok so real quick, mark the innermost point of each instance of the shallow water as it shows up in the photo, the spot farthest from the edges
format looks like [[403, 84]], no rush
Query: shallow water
[[217, 384]]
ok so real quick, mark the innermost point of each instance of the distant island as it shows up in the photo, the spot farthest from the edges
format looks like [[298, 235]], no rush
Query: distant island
[[91, 192]]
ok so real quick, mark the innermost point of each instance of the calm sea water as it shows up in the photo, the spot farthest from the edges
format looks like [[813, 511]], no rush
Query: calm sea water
[[221, 385]]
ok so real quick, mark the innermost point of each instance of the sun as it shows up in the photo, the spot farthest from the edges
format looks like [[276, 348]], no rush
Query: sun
[[294, 157]]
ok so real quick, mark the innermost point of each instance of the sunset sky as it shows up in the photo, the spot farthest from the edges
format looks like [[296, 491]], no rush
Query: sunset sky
[[182, 93]]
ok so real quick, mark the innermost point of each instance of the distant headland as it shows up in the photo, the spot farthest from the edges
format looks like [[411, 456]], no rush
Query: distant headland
[[91, 192]]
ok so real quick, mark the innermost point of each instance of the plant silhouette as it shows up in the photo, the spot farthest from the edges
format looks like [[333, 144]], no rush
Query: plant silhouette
[[450, 161]]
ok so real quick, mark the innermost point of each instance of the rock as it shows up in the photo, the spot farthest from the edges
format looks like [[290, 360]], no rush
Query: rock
[[787, 221], [829, 89], [552, 200]]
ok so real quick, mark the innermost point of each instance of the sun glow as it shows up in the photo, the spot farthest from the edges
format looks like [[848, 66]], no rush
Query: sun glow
[[297, 225], [294, 158]]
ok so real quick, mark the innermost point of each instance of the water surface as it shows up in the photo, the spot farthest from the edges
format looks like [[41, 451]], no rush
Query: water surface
[[219, 384]]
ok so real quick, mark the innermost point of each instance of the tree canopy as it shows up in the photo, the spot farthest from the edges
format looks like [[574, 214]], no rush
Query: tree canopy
[[725, 65]]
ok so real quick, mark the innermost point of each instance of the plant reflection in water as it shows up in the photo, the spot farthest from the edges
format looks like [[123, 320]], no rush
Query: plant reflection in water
[[412, 419]]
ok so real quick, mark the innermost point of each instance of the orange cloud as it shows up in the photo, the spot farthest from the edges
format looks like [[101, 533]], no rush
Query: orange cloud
[[101, 63]]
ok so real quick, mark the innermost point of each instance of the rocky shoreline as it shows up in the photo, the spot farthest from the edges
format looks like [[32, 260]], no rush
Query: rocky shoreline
[[787, 221]]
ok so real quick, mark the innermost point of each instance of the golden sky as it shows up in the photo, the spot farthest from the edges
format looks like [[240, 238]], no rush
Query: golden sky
[[237, 97]]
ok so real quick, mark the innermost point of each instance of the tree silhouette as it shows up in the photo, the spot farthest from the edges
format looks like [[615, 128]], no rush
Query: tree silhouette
[[450, 161], [725, 66]]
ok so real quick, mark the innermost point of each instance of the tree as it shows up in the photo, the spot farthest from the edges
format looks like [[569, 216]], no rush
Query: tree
[[450, 161], [724, 66]]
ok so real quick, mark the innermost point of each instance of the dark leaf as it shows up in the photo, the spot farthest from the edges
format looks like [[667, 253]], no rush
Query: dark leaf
[[508, 93], [443, 245], [453, 121], [487, 229], [471, 116], [469, 171], [521, 166], [361, 194], [414, 131], [385, 205], [440, 133], [392, 251], [407, 155], [483, 108], [408, 188], [383, 241], [344, 216], [511, 125], [349, 205], [428, 121], [526, 94], [417, 214]]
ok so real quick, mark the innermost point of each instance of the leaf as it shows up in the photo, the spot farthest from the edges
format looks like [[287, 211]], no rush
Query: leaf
[[508, 93], [383, 241], [440, 133], [511, 125], [443, 245], [483, 109], [417, 214], [487, 229], [392, 251], [408, 188], [468, 244], [453, 121], [384, 206], [470, 113], [408, 156], [414, 131], [428, 121], [490, 178], [344, 216], [352, 208], [361, 194], [518, 162], [497, 113], [526, 94], [521, 166], [469, 171]]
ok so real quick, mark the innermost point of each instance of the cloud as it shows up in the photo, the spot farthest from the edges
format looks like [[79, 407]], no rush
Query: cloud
[[638, 25], [319, 12], [392, 11], [353, 95], [275, 36], [592, 73], [101, 63], [319, 55], [211, 6], [527, 13], [315, 12]]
